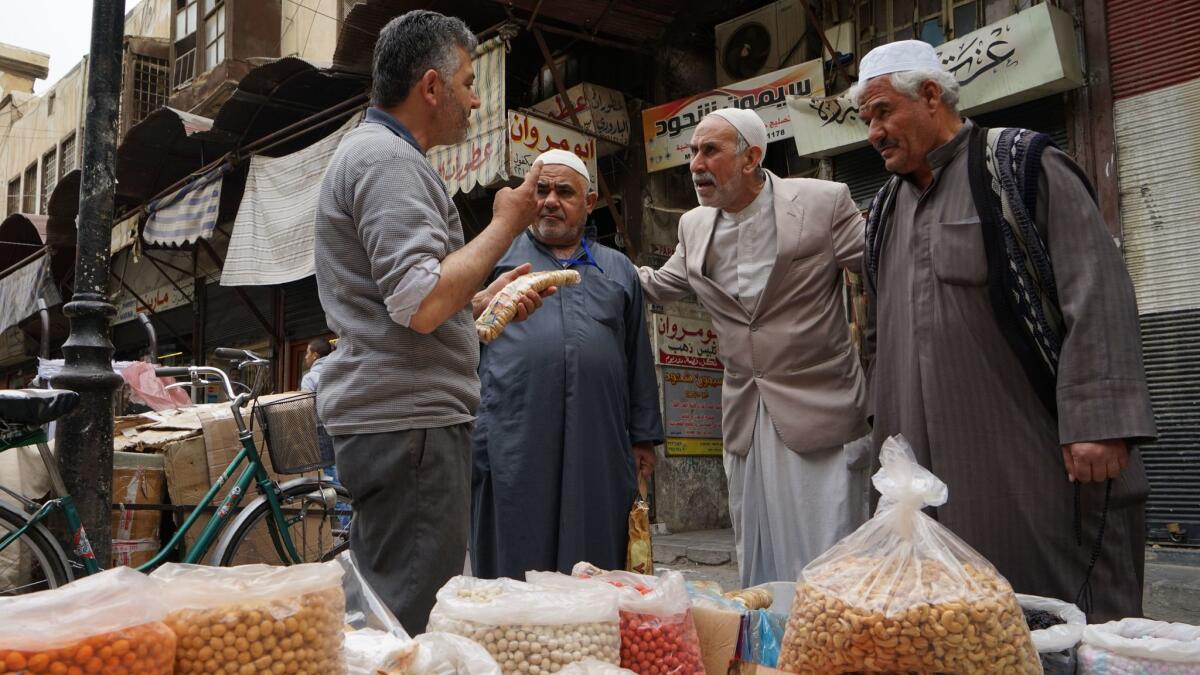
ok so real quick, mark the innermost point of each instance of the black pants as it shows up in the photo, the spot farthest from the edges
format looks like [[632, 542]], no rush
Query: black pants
[[412, 512]]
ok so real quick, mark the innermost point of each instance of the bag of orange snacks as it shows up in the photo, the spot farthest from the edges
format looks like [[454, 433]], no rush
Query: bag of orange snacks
[[107, 623]]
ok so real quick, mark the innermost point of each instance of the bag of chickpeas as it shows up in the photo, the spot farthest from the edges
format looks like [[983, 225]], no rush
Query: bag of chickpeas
[[904, 594], [530, 629], [106, 623], [255, 618]]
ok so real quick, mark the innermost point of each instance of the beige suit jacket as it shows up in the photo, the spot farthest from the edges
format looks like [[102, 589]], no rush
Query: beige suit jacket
[[794, 349]]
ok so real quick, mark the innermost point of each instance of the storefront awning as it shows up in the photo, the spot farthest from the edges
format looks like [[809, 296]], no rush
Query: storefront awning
[[21, 288], [272, 240], [188, 214]]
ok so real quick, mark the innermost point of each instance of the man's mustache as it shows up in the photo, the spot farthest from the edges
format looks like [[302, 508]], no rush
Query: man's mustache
[[885, 144]]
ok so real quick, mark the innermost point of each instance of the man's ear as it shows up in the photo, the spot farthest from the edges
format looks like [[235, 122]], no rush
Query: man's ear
[[590, 200], [430, 86], [754, 155], [931, 92]]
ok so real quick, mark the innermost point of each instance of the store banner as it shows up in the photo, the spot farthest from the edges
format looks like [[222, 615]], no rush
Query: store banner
[[599, 109], [480, 159], [692, 411], [530, 136], [668, 128], [692, 343], [1023, 57], [21, 289]]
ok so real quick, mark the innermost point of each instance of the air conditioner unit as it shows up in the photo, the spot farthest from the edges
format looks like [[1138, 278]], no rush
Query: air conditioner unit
[[761, 41]]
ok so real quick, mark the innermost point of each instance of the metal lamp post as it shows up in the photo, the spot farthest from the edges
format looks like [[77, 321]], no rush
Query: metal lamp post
[[84, 440]]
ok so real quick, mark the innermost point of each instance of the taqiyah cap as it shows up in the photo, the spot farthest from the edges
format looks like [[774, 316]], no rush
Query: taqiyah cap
[[748, 124], [897, 57]]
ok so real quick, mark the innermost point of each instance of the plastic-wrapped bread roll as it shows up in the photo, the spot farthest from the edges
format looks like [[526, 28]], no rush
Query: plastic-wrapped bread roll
[[503, 307]]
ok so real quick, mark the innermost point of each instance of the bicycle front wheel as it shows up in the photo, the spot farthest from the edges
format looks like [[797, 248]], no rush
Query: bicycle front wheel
[[33, 561], [317, 519]]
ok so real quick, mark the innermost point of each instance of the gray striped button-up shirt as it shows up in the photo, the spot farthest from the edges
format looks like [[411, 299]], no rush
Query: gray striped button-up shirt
[[384, 222]]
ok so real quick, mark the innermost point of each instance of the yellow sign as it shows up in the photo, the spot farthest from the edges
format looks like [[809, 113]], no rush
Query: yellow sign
[[694, 447]]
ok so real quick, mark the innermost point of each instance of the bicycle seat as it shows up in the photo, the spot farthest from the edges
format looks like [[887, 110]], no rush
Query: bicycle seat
[[34, 407]]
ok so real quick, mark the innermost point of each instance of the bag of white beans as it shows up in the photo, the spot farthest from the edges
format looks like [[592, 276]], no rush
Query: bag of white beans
[[1140, 647], [255, 618], [904, 594], [530, 629]]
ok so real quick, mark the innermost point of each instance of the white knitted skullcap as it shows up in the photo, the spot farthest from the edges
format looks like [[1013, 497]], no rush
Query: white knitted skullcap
[[748, 124], [568, 159], [897, 57]]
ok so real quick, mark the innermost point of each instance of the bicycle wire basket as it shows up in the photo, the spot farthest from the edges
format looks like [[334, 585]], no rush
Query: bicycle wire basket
[[289, 428]]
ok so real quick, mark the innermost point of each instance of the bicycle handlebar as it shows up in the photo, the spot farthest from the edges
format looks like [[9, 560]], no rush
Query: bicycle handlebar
[[196, 373], [237, 354]]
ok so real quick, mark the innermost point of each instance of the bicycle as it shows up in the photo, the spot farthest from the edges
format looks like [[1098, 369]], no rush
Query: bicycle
[[300, 520]]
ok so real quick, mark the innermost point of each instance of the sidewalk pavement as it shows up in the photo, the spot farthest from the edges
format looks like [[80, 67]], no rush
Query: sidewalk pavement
[[1172, 588]]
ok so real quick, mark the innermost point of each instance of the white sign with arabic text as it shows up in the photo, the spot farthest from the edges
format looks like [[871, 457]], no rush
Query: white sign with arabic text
[[1026, 56]]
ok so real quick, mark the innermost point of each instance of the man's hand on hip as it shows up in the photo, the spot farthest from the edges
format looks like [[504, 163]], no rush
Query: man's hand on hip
[[514, 209], [527, 304], [1092, 461]]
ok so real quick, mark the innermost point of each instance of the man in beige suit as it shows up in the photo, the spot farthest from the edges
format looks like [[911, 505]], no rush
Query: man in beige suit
[[765, 257]]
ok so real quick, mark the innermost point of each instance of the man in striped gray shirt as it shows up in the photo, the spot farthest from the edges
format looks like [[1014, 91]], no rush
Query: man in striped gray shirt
[[397, 282]]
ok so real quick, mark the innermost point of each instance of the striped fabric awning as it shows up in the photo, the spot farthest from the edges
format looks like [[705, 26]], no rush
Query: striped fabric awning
[[188, 214], [272, 240]]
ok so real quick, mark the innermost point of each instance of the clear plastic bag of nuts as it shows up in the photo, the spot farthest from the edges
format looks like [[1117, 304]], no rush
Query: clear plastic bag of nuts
[[106, 623], [255, 618], [530, 629], [904, 594]]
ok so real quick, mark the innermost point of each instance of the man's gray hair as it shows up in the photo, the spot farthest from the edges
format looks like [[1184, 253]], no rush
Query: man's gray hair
[[742, 146], [908, 83], [411, 44]]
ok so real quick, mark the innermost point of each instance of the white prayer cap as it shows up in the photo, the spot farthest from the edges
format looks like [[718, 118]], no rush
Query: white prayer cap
[[566, 158], [897, 57], [748, 124]]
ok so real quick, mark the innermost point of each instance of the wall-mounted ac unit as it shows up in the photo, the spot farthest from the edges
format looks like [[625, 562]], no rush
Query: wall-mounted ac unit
[[767, 39]]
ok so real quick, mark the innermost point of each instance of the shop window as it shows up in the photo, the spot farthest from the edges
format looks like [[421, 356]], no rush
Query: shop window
[[13, 204], [214, 33], [29, 190], [67, 155], [49, 178]]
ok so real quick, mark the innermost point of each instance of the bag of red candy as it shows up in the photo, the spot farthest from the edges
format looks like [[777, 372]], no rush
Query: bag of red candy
[[658, 636]]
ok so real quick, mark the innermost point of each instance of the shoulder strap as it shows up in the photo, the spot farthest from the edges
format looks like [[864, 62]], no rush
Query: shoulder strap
[[877, 216], [1016, 295]]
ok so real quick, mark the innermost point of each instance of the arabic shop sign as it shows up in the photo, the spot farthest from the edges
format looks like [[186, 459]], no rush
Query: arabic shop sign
[[529, 137], [686, 342], [1026, 56], [479, 160], [159, 300], [691, 403], [668, 128], [600, 110]]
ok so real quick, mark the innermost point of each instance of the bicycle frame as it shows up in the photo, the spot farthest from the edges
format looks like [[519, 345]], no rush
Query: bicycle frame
[[256, 472]]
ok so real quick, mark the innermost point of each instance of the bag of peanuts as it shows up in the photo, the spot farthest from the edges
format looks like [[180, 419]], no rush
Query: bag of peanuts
[[108, 622], [904, 594], [255, 618], [1137, 646], [530, 629]]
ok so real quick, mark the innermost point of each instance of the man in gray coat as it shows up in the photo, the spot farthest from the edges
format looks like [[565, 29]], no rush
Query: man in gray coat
[[765, 256], [1018, 384], [397, 283]]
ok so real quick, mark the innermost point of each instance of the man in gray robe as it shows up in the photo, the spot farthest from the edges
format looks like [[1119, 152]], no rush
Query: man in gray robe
[[945, 376], [765, 256], [569, 413]]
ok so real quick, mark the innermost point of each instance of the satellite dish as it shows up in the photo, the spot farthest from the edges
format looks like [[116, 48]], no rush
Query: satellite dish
[[747, 50]]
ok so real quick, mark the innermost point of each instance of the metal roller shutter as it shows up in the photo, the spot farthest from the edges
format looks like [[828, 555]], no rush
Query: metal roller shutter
[[1158, 141], [305, 318], [1171, 344], [1140, 33], [229, 322]]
